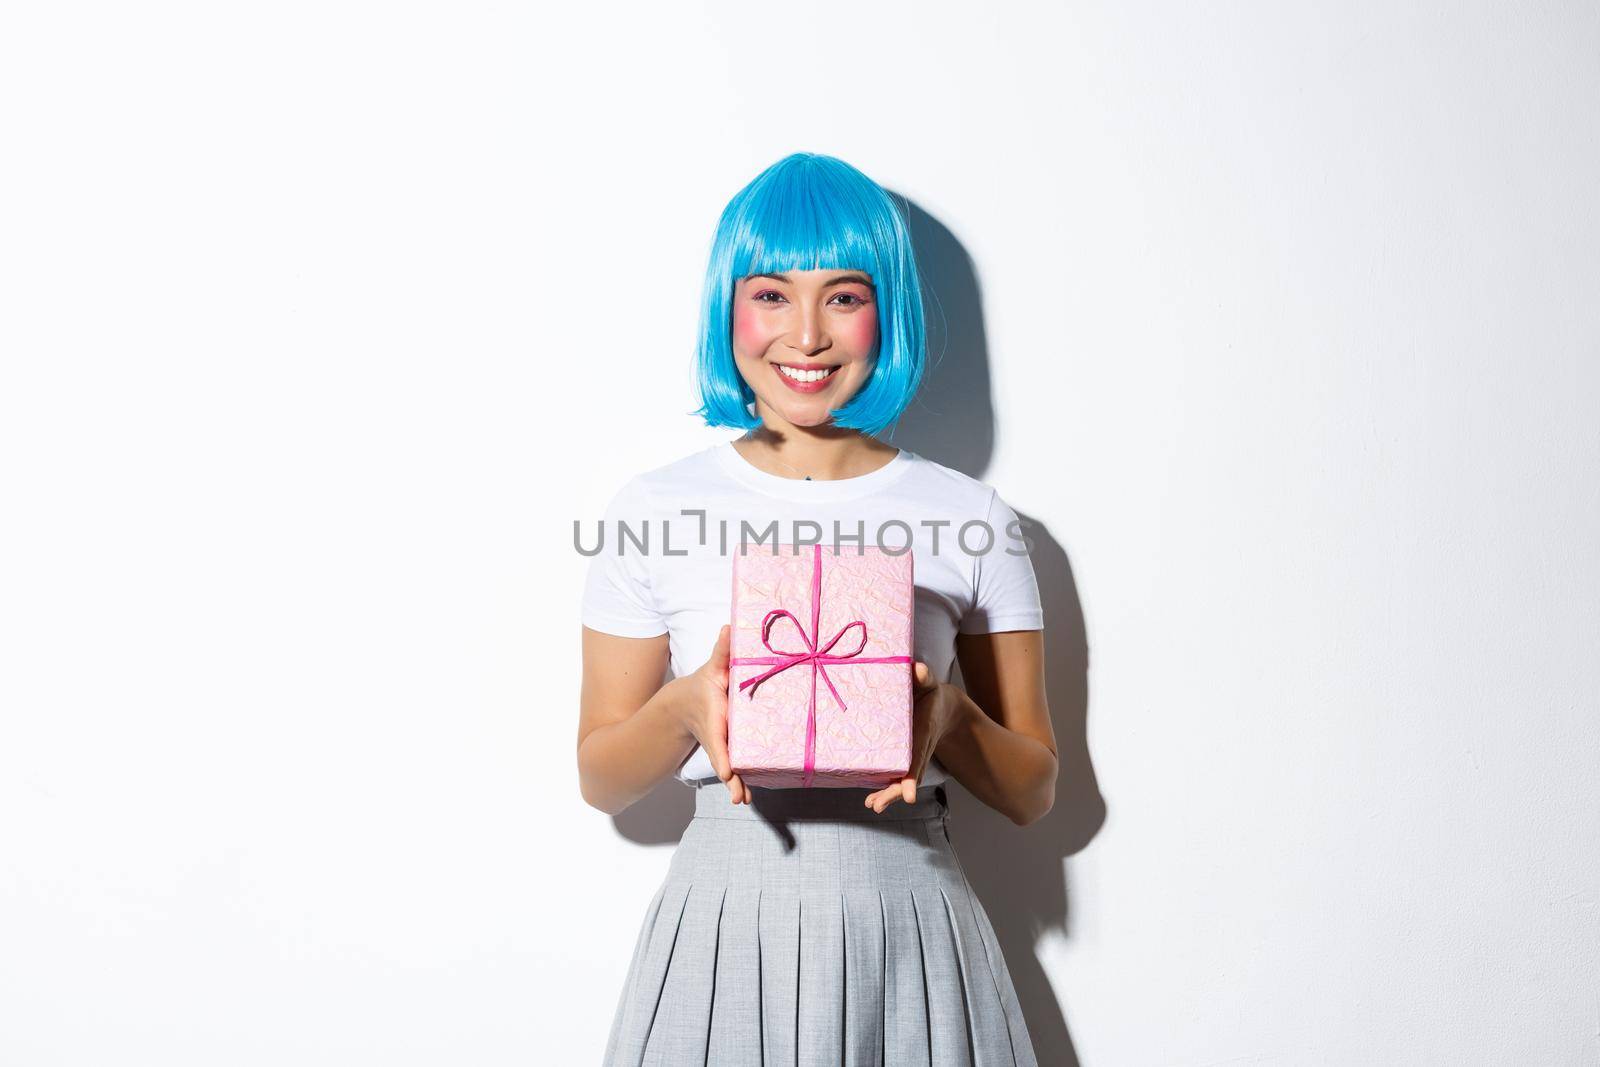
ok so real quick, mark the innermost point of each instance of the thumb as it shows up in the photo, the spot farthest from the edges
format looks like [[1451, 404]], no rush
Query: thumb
[[921, 676], [718, 663]]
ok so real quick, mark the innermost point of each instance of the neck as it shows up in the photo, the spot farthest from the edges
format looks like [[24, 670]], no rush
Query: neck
[[826, 453]]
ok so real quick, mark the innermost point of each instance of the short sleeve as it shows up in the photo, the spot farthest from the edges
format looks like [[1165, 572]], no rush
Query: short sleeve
[[1005, 589], [617, 596]]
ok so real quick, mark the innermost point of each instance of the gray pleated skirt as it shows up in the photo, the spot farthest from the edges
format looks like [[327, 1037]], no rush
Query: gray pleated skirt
[[804, 930]]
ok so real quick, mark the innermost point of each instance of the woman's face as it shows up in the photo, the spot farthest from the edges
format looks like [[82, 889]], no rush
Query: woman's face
[[807, 321]]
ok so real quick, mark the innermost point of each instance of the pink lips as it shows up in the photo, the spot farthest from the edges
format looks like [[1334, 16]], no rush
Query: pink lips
[[803, 387]]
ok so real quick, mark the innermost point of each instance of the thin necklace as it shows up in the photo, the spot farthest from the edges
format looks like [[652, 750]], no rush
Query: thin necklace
[[797, 470], [802, 473]]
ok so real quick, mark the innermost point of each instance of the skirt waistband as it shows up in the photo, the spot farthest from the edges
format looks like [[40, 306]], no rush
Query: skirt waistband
[[712, 801]]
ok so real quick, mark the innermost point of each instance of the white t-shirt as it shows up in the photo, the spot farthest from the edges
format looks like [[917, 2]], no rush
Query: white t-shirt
[[671, 572]]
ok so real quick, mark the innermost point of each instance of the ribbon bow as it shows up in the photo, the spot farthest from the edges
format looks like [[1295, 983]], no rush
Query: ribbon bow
[[817, 657]]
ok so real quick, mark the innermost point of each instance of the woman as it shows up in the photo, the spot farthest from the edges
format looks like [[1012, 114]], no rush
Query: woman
[[813, 925]]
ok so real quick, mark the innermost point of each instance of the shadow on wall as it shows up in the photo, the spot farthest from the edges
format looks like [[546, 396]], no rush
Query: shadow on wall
[[1018, 873]]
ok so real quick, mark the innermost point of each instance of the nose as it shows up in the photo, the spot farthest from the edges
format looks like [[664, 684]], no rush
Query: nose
[[813, 337]]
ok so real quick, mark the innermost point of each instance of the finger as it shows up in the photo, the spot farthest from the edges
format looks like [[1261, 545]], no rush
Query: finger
[[738, 790], [719, 762], [921, 753], [888, 796], [921, 676], [716, 743], [718, 660], [884, 797]]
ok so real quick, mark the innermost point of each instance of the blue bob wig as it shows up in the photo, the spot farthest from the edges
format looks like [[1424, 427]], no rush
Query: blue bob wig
[[814, 212]]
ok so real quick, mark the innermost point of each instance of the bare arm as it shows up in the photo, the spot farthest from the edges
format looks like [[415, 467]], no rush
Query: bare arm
[[1003, 746], [633, 731]]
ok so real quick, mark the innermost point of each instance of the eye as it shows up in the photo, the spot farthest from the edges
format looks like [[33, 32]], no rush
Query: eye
[[760, 297], [855, 301]]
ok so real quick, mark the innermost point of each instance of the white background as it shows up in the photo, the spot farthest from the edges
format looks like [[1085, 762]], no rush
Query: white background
[[322, 322]]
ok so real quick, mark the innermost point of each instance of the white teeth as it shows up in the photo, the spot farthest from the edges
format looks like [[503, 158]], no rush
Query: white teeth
[[804, 375]]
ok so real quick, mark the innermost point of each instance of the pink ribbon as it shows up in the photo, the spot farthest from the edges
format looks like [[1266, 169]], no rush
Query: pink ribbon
[[813, 655]]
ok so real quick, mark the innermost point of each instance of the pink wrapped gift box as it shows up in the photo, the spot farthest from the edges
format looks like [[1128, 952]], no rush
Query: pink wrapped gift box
[[819, 678]]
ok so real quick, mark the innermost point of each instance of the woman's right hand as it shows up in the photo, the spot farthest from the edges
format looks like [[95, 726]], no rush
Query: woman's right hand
[[703, 709]]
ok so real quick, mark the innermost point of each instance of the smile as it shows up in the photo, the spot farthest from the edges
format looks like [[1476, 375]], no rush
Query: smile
[[805, 379]]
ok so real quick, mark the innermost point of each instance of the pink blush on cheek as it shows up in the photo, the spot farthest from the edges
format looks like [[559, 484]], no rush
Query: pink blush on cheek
[[859, 334], [747, 331]]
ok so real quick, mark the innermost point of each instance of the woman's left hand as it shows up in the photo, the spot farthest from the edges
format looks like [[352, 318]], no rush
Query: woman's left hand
[[935, 711]]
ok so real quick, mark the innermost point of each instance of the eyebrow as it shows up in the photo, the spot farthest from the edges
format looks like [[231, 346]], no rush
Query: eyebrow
[[842, 279]]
